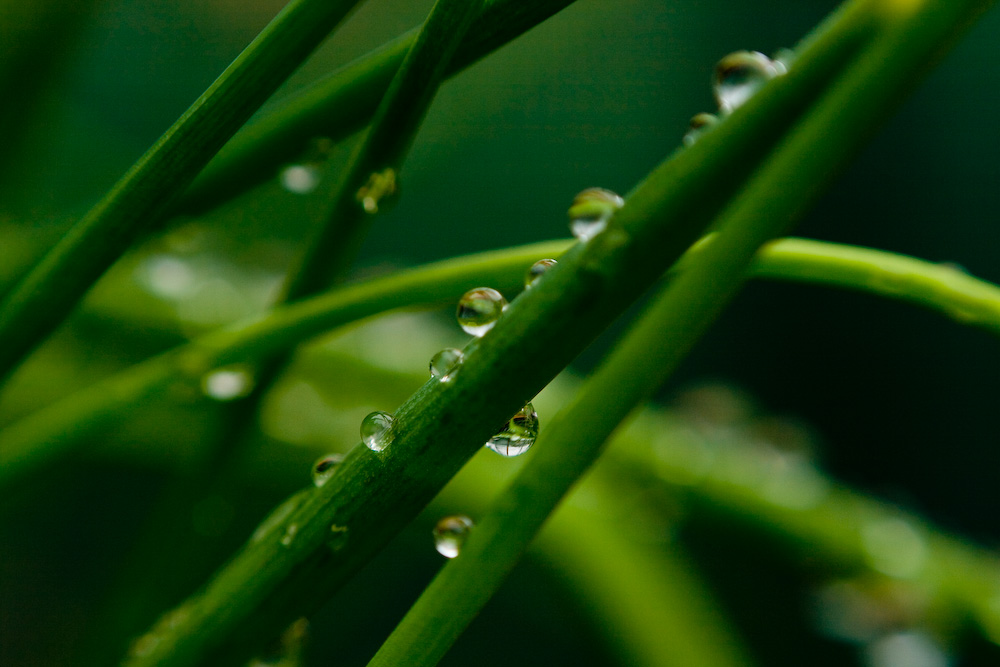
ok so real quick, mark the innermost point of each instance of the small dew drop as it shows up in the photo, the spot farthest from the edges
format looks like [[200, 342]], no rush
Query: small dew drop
[[518, 435], [479, 309], [739, 76], [290, 532], [376, 430], [228, 383], [591, 210], [325, 467], [379, 189], [445, 363], [450, 533], [699, 123], [300, 179], [537, 269]]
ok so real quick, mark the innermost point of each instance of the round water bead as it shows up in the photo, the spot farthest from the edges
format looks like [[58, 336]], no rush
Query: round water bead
[[739, 75], [380, 188], [699, 122], [479, 309], [444, 364], [324, 468], [450, 533], [300, 179], [518, 435], [590, 211], [537, 269], [375, 430]]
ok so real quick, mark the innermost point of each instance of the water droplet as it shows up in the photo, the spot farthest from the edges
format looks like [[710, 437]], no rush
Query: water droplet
[[444, 364], [376, 430], [379, 189], [537, 269], [450, 533], [739, 75], [783, 59], [479, 309], [290, 532], [300, 179], [228, 383], [699, 122], [591, 210], [324, 468], [518, 435]]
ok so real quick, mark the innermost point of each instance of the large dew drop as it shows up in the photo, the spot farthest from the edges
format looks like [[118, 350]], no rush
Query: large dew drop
[[376, 430], [479, 309], [324, 468], [450, 533], [537, 269], [380, 188], [739, 75], [445, 363], [591, 210], [518, 435]]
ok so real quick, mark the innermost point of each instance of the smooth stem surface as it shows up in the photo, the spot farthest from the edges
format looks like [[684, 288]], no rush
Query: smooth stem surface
[[778, 193], [46, 295], [383, 149], [344, 102]]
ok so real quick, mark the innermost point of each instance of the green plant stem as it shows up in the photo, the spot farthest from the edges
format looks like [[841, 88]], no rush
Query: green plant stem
[[384, 147], [43, 298], [42, 437], [775, 196], [344, 102]]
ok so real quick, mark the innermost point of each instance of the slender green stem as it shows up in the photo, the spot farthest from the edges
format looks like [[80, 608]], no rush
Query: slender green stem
[[44, 297], [777, 194], [344, 102], [369, 180]]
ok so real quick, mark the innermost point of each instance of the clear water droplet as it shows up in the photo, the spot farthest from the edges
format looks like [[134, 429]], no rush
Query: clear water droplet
[[537, 269], [228, 383], [699, 123], [783, 59], [325, 467], [445, 363], [479, 309], [376, 430], [300, 179], [290, 532], [380, 188], [450, 533], [518, 435], [591, 210], [739, 76]]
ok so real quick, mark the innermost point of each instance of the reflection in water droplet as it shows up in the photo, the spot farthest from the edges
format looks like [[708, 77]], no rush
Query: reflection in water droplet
[[591, 210], [537, 269], [450, 533], [380, 188], [699, 123], [479, 309], [376, 430], [518, 435], [325, 467], [445, 363], [300, 179], [739, 75], [290, 532], [894, 547], [228, 383]]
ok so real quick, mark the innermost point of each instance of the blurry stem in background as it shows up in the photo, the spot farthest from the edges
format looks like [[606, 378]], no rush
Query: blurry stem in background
[[41, 437], [344, 102], [45, 296]]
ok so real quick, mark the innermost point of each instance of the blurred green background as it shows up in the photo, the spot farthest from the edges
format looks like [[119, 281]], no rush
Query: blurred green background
[[904, 403]]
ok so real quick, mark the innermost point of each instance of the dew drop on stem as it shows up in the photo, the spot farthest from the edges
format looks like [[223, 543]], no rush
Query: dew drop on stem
[[479, 309], [591, 210], [518, 435], [450, 533], [446, 363], [537, 269], [376, 430], [699, 123], [739, 76], [325, 467]]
